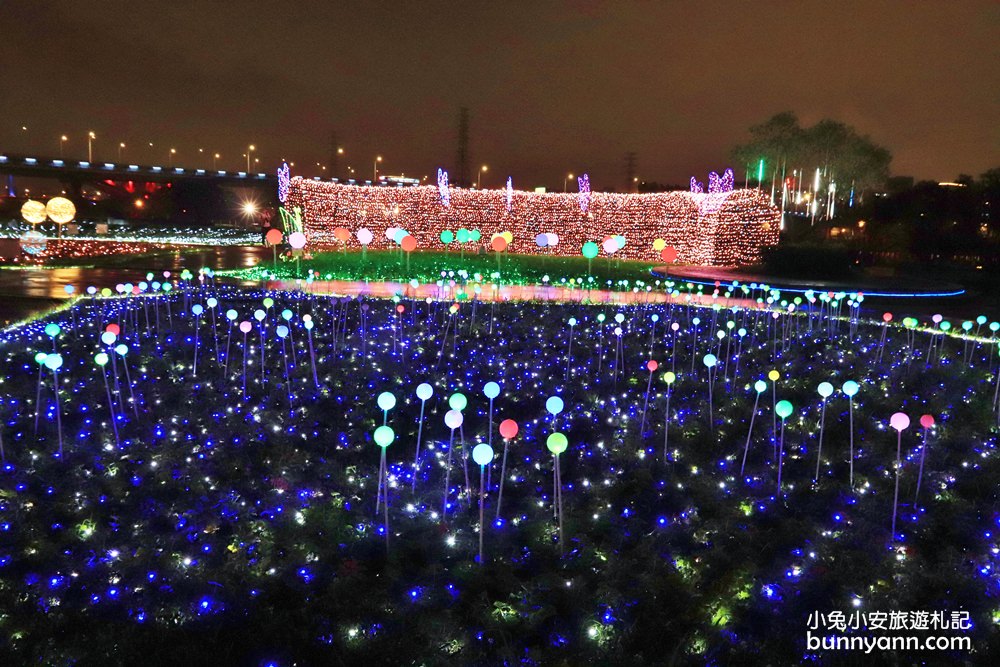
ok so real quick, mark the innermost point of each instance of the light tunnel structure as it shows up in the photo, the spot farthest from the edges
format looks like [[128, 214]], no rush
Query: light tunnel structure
[[713, 229]]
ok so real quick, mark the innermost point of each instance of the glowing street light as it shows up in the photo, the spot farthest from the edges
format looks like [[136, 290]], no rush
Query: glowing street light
[[215, 161], [375, 169], [479, 177], [121, 147], [249, 208], [565, 180], [173, 152], [90, 150], [62, 140], [251, 148]]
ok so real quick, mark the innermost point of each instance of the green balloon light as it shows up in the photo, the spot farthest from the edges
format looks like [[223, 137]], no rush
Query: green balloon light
[[52, 329], [447, 236], [384, 435], [457, 401], [760, 386], [590, 250], [784, 409], [556, 443]]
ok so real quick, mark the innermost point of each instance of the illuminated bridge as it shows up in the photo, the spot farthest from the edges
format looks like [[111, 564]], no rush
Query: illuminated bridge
[[81, 170]]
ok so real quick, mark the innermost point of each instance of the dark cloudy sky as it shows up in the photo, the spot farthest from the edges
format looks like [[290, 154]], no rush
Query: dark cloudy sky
[[552, 87]]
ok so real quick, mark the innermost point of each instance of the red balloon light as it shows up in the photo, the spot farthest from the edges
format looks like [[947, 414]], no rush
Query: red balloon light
[[508, 428]]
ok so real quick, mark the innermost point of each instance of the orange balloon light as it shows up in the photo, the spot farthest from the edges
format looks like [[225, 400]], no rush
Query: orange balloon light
[[341, 234], [273, 237], [668, 254], [499, 243], [409, 244]]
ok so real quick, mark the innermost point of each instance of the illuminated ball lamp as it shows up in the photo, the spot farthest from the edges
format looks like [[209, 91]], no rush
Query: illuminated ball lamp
[[297, 240], [273, 237], [60, 210], [33, 211], [408, 243], [33, 243], [365, 236]]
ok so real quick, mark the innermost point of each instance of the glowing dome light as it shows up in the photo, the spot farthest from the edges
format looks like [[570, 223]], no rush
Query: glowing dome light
[[33, 211], [60, 210], [482, 454]]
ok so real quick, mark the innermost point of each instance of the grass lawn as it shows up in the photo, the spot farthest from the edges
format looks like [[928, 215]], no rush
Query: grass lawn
[[428, 266]]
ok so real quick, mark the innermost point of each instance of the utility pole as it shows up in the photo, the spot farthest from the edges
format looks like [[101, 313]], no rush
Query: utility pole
[[462, 162], [631, 185]]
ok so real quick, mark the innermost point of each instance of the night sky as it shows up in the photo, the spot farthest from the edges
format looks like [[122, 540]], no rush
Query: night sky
[[551, 87]]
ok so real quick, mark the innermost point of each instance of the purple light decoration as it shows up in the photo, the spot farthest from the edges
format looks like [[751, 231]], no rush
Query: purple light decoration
[[284, 179], [584, 183], [443, 187], [713, 183], [696, 186], [510, 193], [728, 181]]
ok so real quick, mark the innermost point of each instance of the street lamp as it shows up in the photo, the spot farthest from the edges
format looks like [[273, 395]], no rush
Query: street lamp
[[215, 161], [90, 150], [173, 152], [62, 140], [565, 180], [121, 147], [375, 169], [250, 149], [479, 177]]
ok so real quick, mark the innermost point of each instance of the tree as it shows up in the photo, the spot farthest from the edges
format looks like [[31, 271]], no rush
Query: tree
[[841, 154]]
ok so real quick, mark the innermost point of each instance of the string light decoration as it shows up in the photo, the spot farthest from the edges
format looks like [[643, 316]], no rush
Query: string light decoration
[[697, 187], [284, 177], [584, 183], [510, 193], [443, 190], [719, 229]]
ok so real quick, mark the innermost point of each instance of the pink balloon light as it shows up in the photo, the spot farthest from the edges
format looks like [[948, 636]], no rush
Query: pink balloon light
[[508, 428], [297, 240], [887, 317], [899, 421], [927, 421], [651, 365], [246, 326]]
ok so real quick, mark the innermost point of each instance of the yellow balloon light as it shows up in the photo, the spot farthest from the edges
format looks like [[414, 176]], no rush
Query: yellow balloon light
[[33, 211], [773, 376], [659, 244], [60, 210], [508, 237]]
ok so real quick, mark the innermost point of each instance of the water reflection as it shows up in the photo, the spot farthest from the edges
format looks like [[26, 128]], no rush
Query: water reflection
[[26, 291]]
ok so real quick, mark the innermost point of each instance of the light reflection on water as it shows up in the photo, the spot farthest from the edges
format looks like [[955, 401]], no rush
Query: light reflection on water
[[27, 291]]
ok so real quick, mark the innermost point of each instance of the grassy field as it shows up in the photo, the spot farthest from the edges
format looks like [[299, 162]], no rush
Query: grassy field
[[429, 266]]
